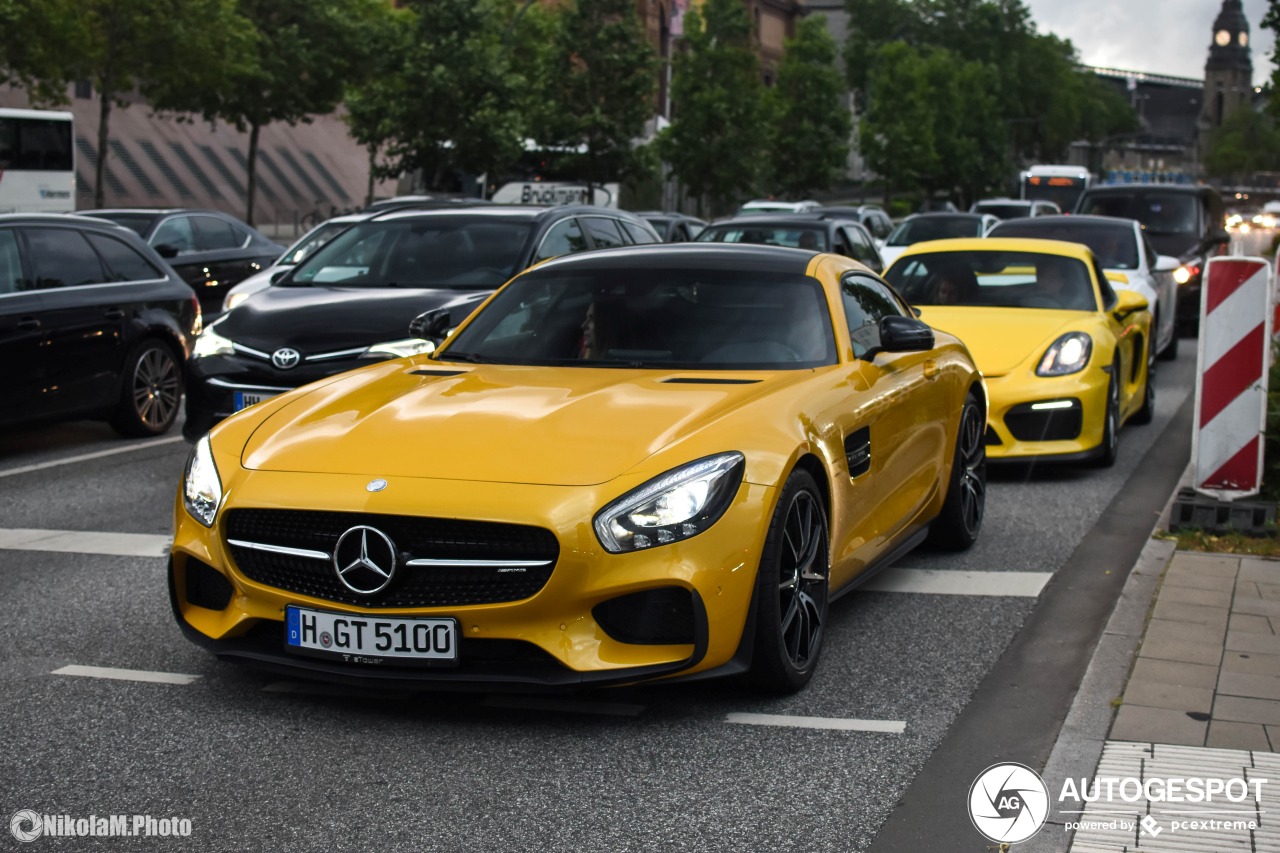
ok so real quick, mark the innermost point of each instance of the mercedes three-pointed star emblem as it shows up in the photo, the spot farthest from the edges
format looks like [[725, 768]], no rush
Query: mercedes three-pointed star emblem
[[365, 560]]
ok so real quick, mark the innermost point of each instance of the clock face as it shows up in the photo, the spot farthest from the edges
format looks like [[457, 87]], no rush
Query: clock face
[[1223, 38], [1244, 39]]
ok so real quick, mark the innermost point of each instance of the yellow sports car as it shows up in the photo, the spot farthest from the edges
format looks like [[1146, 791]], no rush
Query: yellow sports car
[[627, 464], [1067, 359]]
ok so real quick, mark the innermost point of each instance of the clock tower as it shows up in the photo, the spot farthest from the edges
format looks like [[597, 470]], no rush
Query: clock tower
[[1228, 75]]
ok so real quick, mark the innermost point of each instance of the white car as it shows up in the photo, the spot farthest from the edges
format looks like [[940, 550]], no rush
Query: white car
[[1127, 258], [773, 205], [934, 226]]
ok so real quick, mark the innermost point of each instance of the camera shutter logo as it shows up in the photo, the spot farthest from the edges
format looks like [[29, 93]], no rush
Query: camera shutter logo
[[26, 826], [286, 358], [1008, 803]]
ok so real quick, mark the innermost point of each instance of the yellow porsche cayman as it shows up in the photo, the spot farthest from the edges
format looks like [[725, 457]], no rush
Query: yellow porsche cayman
[[628, 464], [1066, 358]]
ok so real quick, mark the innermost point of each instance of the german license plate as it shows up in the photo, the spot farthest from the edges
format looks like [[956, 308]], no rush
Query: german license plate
[[245, 399], [366, 639]]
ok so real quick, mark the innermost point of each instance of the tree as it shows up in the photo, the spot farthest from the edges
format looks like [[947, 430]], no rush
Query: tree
[[1246, 143], [811, 123], [33, 36], [604, 74], [896, 133], [714, 145]]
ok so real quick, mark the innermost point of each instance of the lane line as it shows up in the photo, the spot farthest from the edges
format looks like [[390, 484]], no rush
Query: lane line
[[895, 727], [86, 542], [935, 582], [126, 674], [84, 457]]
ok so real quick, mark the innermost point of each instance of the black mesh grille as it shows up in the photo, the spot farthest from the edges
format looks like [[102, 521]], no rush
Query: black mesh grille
[[414, 537], [659, 616], [206, 586], [1027, 424]]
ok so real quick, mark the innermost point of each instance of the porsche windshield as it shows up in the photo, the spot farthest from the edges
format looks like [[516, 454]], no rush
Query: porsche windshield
[[437, 251], [994, 279], [662, 318]]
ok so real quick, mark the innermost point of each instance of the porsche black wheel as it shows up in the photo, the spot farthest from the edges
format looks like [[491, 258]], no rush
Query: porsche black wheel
[[1148, 410], [792, 589], [957, 526], [1110, 445], [150, 391]]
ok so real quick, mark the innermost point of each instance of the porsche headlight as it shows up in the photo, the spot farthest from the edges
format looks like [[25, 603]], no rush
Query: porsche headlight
[[1069, 354], [201, 488], [677, 505], [211, 343], [399, 349]]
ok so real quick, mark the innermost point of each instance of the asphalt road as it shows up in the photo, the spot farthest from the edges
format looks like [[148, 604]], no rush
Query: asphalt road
[[255, 761]]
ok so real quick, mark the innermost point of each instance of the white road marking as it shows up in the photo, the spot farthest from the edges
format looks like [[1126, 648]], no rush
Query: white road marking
[[86, 542], [895, 727], [84, 457], [533, 703], [931, 581], [127, 674]]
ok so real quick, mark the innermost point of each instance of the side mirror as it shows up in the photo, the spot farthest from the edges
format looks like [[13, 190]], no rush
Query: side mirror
[[1127, 302], [431, 325], [1167, 263], [904, 334], [278, 274], [167, 251]]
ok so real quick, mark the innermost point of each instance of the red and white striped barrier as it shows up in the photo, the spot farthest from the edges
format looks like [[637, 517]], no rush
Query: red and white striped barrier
[[1231, 383]]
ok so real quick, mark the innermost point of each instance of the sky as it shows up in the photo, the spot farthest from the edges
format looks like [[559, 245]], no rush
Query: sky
[[1156, 36]]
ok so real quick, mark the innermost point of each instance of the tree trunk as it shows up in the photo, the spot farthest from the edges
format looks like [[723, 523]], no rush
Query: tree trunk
[[105, 95], [253, 171], [373, 155]]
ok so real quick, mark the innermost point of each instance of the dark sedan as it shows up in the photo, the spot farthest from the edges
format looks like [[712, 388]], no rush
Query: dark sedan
[[801, 231], [673, 227], [351, 301], [92, 325], [210, 250]]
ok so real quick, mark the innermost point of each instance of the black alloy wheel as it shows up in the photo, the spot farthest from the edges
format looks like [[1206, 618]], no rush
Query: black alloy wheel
[[1108, 449], [1148, 411], [150, 391], [957, 526], [793, 589]]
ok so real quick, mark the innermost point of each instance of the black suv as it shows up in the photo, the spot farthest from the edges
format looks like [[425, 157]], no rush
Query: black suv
[[351, 301], [1188, 222], [92, 324]]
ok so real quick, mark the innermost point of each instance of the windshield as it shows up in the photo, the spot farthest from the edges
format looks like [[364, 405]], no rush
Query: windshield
[[1161, 213], [769, 235], [991, 278], [312, 240], [136, 222], [1004, 210], [660, 318], [1116, 248], [935, 228], [436, 251]]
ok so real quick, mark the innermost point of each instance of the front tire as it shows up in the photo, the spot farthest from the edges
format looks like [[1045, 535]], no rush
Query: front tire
[[957, 526], [150, 391], [1110, 446], [792, 589]]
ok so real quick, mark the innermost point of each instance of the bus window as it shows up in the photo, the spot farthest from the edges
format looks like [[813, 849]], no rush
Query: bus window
[[37, 159]]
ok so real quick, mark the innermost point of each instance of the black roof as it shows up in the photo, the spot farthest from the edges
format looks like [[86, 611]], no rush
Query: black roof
[[1057, 221], [768, 220], [531, 212], [747, 256]]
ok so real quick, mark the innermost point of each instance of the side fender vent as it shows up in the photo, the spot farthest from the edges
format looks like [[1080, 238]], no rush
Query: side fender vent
[[857, 452]]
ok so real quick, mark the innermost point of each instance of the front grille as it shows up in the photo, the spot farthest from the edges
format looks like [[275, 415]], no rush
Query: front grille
[[206, 586], [655, 616], [414, 537], [1027, 424]]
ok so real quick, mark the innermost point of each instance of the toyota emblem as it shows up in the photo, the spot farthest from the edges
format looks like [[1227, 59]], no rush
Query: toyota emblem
[[364, 560], [286, 358]]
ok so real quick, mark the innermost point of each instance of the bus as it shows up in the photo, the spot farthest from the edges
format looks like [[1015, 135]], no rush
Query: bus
[[37, 161], [1062, 185]]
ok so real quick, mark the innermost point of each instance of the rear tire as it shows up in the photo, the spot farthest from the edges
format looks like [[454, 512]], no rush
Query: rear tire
[[792, 589], [1148, 411], [957, 526], [150, 391]]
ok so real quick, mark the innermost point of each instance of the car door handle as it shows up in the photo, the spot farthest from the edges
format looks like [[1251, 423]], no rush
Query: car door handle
[[113, 314], [26, 324], [931, 369]]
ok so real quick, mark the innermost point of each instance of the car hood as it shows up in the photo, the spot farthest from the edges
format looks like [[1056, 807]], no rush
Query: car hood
[[1002, 338], [497, 423], [327, 318]]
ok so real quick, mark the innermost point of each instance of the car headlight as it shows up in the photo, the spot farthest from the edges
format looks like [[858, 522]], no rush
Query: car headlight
[[1068, 354], [233, 299], [399, 349], [677, 505], [201, 488], [211, 343], [1186, 272]]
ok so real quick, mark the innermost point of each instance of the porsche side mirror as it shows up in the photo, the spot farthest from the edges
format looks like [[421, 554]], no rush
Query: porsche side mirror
[[904, 334], [1127, 302], [430, 325]]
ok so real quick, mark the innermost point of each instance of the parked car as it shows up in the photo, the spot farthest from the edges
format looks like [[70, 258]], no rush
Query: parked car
[[1064, 356], [1187, 222], [1128, 261], [919, 227], [350, 301], [1015, 208], [801, 231], [871, 216], [764, 428], [210, 250], [93, 324], [673, 227], [773, 205]]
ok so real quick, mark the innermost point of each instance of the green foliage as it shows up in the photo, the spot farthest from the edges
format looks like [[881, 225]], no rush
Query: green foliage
[[33, 36], [896, 130], [1246, 143], [717, 137], [811, 122]]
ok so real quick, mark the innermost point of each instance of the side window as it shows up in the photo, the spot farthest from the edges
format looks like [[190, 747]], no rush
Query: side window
[[176, 232], [564, 238], [215, 233], [11, 280], [638, 235], [859, 247], [124, 263], [866, 301], [61, 257], [604, 232], [1150, 253], [1108, 293], [842, 246]]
